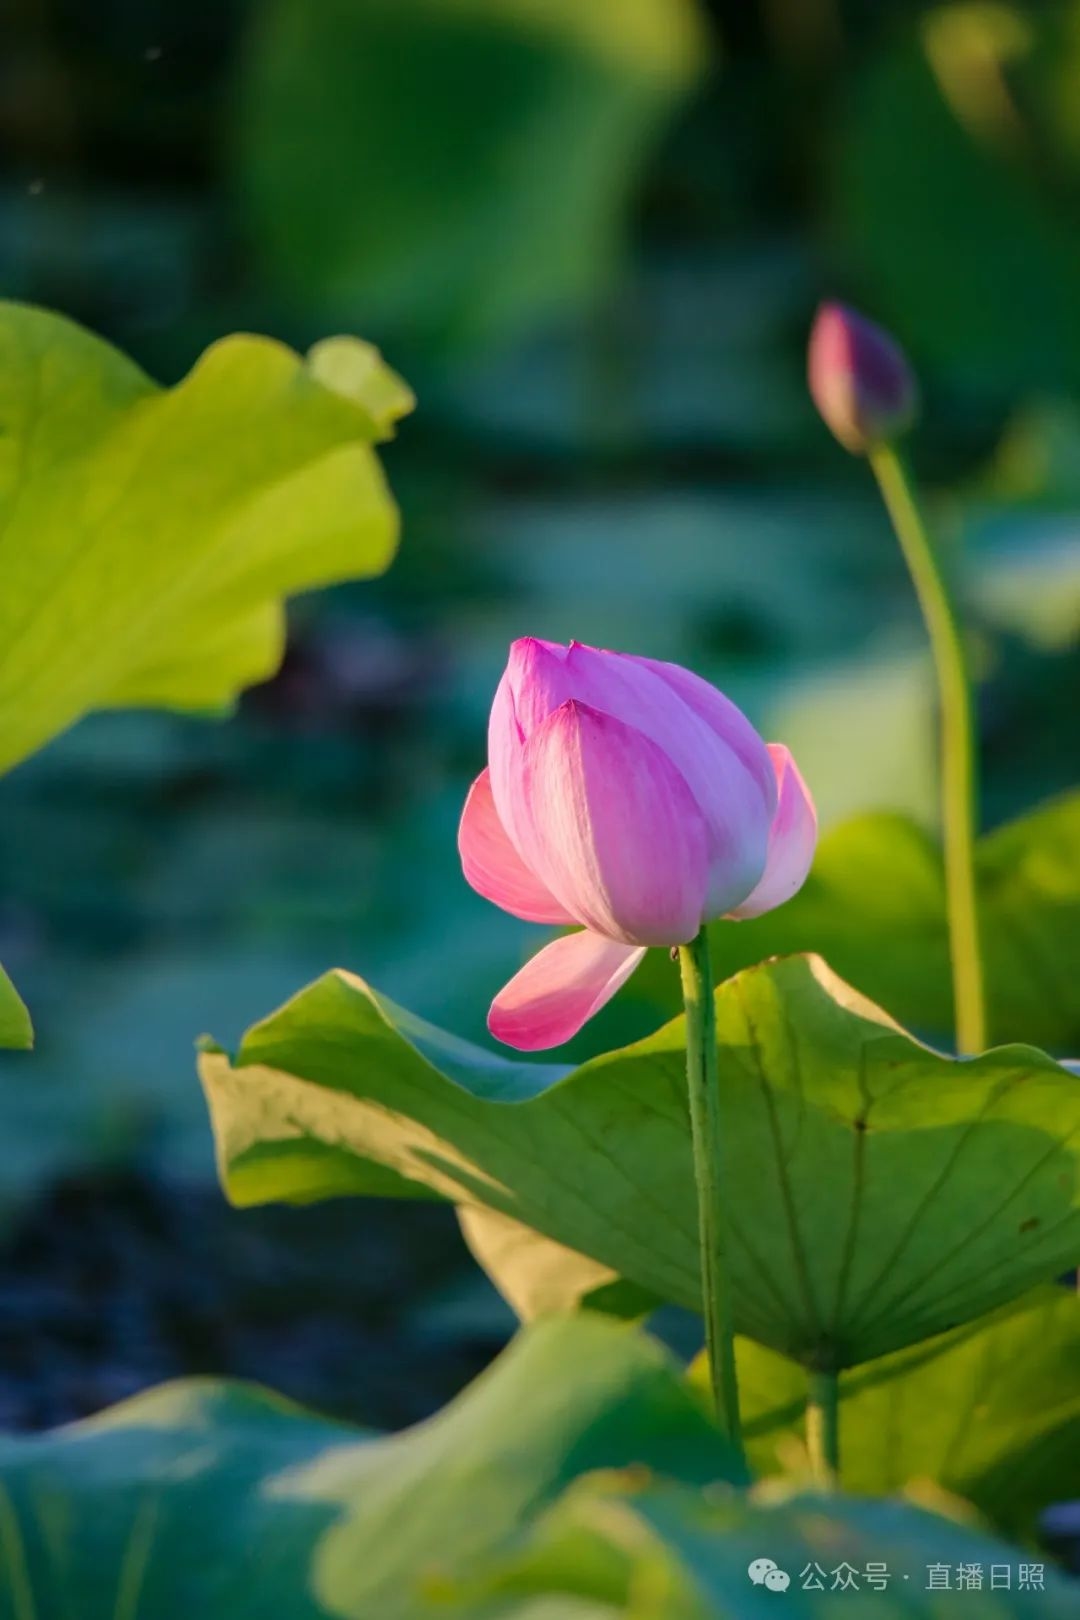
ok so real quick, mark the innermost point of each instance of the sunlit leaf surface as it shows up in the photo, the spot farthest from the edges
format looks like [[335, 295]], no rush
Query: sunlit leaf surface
[[990, 1412], [878, 1192], [15, 1028], [149, 536]]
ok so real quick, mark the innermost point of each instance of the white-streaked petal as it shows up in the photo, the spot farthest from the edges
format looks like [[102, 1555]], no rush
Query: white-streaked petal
[[724, 718], [533, 684], [611, 827], [711, 744]]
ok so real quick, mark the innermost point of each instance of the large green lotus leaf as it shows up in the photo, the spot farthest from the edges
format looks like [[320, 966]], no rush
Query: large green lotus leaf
[[506, 201], [874, 906], [148, 536], [878, 1192], [222, 1501], [658, 1551], [15, 1027], [990, 1412], [144, 1509]]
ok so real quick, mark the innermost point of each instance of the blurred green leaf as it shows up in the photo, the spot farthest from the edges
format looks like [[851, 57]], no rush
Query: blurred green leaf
[[148, 536], [1029, 583], [139, 1509], [16, 1030], [990, 1412], [657, 1551], [1021, 518], [356, 370], [863, 734], [1036, 464], [145, 1508], [867, 1209], [874, 907], [506, 200], [1029, 894], [111, 1081], [948, 198]]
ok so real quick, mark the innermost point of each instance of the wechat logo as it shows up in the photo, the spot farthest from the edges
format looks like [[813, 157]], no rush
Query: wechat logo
[[763, 1572]]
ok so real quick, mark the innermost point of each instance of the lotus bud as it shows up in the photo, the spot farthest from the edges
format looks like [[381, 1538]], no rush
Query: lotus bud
[[860, 379]]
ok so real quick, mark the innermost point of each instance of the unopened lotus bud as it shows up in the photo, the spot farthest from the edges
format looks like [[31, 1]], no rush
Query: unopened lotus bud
[[860, 379]]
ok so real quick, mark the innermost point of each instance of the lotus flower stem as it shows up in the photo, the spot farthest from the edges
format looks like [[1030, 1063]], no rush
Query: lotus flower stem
[[959, 788], [703, 1079], [823, 1426]]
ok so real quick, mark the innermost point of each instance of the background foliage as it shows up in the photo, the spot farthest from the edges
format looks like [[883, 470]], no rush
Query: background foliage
[[595, 256]]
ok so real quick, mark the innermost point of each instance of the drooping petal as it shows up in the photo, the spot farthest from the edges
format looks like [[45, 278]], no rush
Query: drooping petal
[[712, 745], [564, 984], [605, 820], [493, 866], [792, 840]]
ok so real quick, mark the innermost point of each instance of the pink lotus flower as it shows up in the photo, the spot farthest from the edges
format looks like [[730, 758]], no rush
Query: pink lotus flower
[[632, 798]]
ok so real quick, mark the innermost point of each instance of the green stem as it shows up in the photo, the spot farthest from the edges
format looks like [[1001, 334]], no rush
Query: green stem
[[959, 788], [823, 1426], [702, 1073]]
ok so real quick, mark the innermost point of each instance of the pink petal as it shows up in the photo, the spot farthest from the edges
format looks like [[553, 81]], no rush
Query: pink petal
[[532, 686], [493, 866], [712, 745], [611, 827], [725, 719], [538, 674], [791, 841], [710, 742], [560, 989]]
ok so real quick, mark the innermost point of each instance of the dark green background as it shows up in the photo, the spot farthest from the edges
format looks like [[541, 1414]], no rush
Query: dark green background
[[599, 277]]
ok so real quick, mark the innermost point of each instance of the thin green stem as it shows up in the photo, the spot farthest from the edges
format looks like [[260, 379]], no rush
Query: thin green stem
[[823, 1427], [959, 786], [702, 1073]]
